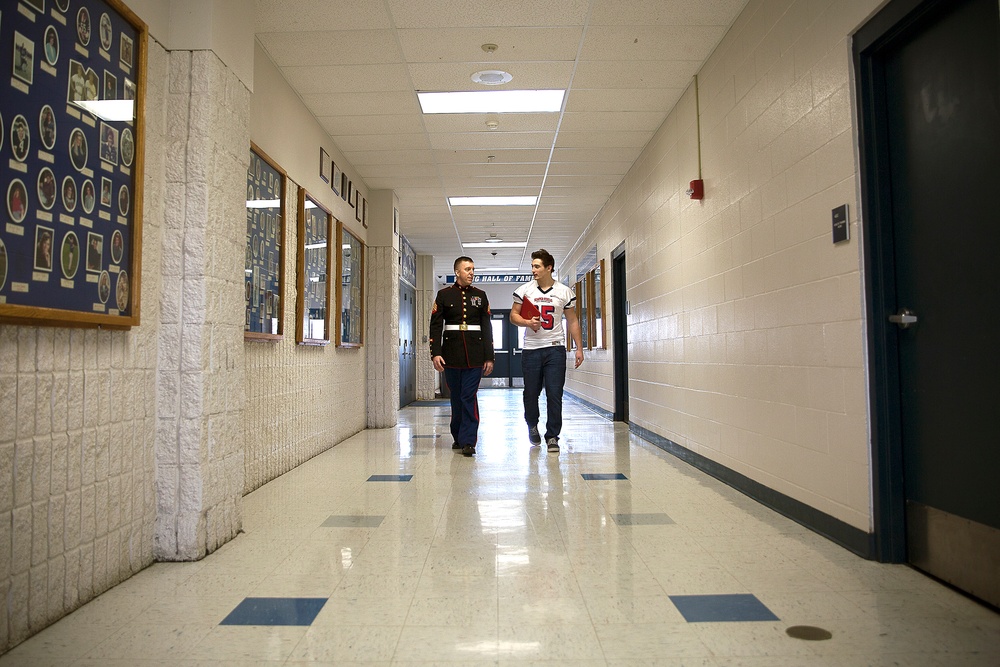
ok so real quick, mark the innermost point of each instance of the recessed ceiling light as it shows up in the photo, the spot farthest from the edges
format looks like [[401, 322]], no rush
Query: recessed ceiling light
[[492, 201], [492, 101], [492, 77]]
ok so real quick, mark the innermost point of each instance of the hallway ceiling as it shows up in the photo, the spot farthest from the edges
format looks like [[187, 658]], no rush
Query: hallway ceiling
[[358, 65]]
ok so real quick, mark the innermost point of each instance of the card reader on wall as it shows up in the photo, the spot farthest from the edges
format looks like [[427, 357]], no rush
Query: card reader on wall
[[696, 189]]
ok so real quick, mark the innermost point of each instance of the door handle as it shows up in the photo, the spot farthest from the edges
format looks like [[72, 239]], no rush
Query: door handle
[[905, 318]]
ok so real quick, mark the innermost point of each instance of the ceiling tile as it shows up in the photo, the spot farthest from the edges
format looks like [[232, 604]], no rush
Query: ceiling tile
[[553, 75], [631, 121], [509, 122], [357, 65], [637, 74], [491, 140], [358, 125], [386, 103], [650, 42], [305, 15], [469, 13], [333, 47], [381, 142], [348, 78], [434, 45], [665, 12]]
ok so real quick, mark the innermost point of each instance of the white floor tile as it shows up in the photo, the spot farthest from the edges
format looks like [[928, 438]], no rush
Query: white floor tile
[[512, 558]]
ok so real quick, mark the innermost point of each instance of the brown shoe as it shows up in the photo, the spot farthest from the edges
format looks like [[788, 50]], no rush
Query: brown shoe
[[468, 450]]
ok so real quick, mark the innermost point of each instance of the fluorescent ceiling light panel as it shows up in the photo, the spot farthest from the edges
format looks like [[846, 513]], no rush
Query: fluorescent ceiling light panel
[[492, 101], [492, 201], [504, 244], [109, 110]]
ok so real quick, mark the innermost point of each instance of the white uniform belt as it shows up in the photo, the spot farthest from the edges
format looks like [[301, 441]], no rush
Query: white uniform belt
[[462, 327]]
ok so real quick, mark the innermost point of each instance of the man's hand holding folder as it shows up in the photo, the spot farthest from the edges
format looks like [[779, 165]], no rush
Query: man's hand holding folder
[[528, 309]]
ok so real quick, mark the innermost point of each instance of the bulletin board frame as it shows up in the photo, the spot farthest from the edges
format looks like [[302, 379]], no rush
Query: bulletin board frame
[[72, 180], [266, 239], [351, 288], [313, 269]]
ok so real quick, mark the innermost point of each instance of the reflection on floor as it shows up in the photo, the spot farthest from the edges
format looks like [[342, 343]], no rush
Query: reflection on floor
[[393, 549]]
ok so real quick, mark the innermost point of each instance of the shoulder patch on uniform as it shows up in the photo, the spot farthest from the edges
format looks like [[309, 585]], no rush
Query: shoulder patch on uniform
[[435, 309]]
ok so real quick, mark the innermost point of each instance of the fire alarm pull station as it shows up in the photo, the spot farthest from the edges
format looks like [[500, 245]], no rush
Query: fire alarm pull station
[[696, 189]]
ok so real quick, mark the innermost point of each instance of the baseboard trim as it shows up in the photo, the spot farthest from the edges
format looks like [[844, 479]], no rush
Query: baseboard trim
[[590, 406], [847, 536]]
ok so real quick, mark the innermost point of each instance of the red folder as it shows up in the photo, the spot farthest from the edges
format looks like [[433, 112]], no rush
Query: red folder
[[528, 309]]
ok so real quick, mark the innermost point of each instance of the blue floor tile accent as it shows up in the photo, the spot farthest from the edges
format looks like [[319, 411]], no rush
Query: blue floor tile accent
[[352, 521], [655, 519], [414, 437], [275, 611], [603, 475], [390, 478], [722, 608]]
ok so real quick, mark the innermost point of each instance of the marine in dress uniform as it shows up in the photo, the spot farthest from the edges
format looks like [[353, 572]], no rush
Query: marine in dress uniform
[[461, 340]]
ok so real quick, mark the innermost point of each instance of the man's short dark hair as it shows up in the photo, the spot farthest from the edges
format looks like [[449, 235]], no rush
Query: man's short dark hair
[[461, 259], [546, 257]]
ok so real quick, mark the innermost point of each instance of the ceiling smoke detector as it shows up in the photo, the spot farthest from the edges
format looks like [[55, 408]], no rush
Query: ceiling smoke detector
[[492, 125], [492, 77]]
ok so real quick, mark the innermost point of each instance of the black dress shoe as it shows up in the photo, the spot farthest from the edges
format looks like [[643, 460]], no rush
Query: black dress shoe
[[468, 450], [455, 445]]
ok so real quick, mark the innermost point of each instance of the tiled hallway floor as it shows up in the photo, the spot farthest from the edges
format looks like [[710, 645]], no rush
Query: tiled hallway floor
[[514, 558]]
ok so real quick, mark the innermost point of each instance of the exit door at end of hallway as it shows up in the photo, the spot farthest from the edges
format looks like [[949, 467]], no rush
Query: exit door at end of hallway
[[929, 100], [407, 344], [508, 340]]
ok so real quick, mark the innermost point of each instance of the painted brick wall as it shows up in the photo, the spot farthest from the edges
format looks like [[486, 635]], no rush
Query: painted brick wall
[[745, 338], [301, 400], [77, 435], [199, 454]]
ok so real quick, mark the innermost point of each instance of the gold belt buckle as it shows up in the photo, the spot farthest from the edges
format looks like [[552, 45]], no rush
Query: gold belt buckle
[[463, 327]]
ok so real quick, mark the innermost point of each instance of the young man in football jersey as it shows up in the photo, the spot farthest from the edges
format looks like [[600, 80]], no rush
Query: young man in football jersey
[[540, 306]]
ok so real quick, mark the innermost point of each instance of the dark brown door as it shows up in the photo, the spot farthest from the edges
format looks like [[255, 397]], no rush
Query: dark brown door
[[939, 159]]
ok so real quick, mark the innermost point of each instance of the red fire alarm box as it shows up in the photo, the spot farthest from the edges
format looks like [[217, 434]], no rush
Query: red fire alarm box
[[697, 189]]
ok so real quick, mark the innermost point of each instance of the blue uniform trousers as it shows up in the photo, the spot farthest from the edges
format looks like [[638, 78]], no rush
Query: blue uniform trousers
[[463, 383]]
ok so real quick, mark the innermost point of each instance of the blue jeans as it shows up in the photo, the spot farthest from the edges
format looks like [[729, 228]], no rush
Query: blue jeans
[[463, 383], [544, 367]]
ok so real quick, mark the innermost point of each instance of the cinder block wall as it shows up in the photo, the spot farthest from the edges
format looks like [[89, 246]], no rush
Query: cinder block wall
[[121, 448], [745, 338], [77, 436], [300, 400]]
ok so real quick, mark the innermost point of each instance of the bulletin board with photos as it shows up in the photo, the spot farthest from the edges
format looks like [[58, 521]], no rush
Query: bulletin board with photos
[[312, 324], [70, 225], [351, 295], [590, 297], [265, 250]]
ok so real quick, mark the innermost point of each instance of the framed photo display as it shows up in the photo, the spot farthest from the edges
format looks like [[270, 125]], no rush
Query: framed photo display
[[67, 256], [325, 165], [265, 253], [351, 295], [338, 174], [312, 322]]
